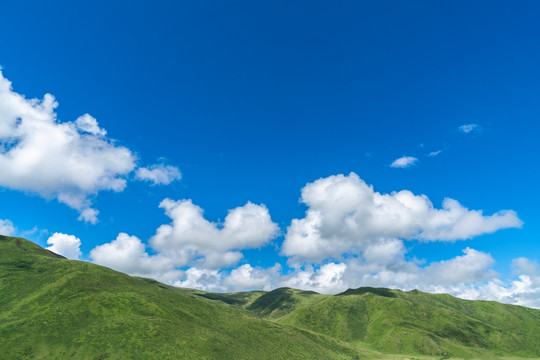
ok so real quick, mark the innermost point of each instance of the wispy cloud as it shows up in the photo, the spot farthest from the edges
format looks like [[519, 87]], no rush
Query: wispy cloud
[[435, 153], [158, 174], [468, 128], [404, 162]]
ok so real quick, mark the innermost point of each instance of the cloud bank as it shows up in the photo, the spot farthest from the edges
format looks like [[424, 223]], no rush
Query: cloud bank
[[351, 236]]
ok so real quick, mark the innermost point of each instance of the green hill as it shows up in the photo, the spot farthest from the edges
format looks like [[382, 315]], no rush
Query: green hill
[[392, 321], [54, 308]]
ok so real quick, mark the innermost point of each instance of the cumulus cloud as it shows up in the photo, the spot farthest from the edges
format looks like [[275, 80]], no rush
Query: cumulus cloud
[[69, 161], [158, 174], [128, 254], [328, 279], [468, 128], [523, 290], [471, 267], [65, 245], [244, 277], [203, 279], [190, 235], [351, 236], [346, 216], [191, 241], [444, 276], [468, 276], [6, 227], [247, 277], [404, 162]]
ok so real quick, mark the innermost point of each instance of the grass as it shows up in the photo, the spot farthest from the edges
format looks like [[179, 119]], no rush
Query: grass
[[54, 308]]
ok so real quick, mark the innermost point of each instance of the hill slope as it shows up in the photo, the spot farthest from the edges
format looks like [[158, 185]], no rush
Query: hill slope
[[393, 321], [54, 308]]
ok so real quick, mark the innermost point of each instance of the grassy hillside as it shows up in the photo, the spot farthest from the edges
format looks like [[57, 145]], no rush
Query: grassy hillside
[[393, 321], [280, 302], [397, 322], [53, 308]]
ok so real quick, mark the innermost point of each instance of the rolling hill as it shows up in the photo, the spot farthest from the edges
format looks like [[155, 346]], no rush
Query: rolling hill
[[54, 308], [397, 322]]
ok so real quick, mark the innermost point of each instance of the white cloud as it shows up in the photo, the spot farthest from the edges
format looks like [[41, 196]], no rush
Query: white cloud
[[524, 290], [202, 279], [467, 276], [6, 227], [361, 232], [328, 279], [469, 128], [242, 278], [471, 267], [247, 277], [69, 161], [191, 241], [158, 174], [434, 153], [447, 276], [128, 254], [87, 123], [65, 245], [525, 266], [190, 235], [404, 162], [346, 216]]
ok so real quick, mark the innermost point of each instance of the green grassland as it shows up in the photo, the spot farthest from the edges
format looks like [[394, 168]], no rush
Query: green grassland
[[54, 308]]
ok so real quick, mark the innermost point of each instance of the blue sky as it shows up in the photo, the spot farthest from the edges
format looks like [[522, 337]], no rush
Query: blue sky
[[252, 102]]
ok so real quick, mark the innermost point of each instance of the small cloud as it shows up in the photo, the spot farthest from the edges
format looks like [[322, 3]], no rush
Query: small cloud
[[32, 231], [65, 245], [404, 162], [435, 153], [6, 227], [89, 215], [158, 174], [469, 128]]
